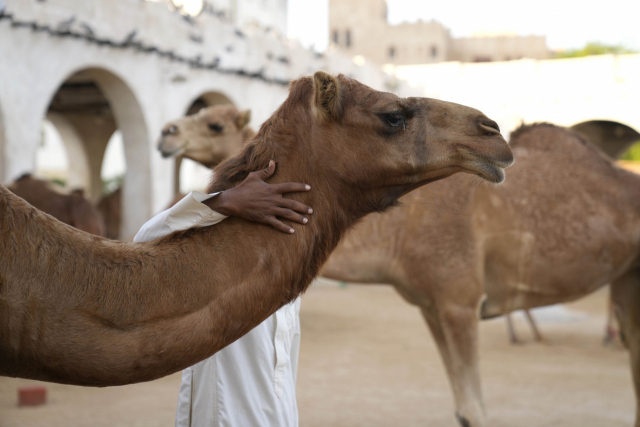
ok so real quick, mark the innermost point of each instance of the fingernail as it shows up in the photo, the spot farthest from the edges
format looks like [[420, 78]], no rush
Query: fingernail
[[291, 231], [308, 187], [310, 210], [305, 220]]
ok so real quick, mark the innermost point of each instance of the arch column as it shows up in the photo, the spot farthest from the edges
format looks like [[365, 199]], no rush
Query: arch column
[[80, 169], [129, 118], [94, 133]]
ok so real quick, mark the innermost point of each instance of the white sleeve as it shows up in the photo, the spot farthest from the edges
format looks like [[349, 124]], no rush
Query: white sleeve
[[189, 212]]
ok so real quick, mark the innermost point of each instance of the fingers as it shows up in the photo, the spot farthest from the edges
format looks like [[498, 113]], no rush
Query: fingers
[[295, 206], [275, 223], [291, 187], [291, 215], [268, 171]]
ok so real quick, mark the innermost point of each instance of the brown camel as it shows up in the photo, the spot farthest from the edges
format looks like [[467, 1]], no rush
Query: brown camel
[[566, 222], [511, 330], [80, 309], [110, 206], [176, 140], [72, 209], [444, 248]]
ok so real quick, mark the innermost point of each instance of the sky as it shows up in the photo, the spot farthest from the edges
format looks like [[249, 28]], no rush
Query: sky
[[567, 24]]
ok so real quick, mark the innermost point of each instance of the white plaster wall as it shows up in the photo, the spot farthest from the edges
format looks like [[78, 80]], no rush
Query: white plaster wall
[[561, 91], [264, 13]]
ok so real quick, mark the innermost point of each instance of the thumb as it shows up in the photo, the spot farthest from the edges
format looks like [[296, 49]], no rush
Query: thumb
[[268, 171]]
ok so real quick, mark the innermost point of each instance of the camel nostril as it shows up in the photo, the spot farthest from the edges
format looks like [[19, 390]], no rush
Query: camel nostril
[[489, 127]]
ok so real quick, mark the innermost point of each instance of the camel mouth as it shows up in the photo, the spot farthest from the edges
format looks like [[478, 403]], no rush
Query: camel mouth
[[491, 170], [488, 168], [492, 173], [171, 153]]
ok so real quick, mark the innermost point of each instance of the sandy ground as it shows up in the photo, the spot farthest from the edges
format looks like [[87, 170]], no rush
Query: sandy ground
[[367, 360]]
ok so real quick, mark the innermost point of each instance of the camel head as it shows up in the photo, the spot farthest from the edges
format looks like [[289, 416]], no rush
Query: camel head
[[208, 137], [343, 135]]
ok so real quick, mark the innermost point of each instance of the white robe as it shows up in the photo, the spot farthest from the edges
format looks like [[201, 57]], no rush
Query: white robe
[[252, 381]]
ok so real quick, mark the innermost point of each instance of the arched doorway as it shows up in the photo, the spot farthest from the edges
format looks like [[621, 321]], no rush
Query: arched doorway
[[188, 174], [87, 110], [611, 137], [61, 148]]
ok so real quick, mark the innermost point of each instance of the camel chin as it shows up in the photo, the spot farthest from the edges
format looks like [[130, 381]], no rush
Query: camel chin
[[173, 153]]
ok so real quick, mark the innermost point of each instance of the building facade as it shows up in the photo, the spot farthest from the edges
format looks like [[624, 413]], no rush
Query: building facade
[[360, 27], [267, 14]]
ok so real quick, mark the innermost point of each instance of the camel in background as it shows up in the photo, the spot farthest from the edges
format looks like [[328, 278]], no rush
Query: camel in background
[[565, 223], [443, 249], [85, 310], [210, 136], [110, 206], [72, 208]]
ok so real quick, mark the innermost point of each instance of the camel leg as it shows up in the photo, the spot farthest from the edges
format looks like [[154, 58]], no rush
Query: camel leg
[[534, 327], [612, 330], [455, 331], [625, 293], [513, 338]]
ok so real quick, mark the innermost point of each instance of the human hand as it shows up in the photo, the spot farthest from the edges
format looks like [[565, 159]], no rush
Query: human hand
[[255, 200]]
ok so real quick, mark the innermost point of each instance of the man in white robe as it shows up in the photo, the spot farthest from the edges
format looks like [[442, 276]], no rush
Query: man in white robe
[[252, 381]]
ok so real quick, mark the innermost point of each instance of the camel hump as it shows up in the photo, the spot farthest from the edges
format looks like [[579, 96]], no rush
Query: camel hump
[[547, 136]]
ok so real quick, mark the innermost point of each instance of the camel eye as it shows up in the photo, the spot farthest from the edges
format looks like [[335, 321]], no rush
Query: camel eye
[[216, 127], [394, 120], [170, 130]]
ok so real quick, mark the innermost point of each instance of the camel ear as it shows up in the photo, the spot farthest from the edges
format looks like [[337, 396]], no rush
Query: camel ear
[[327, 95], [244, 117]]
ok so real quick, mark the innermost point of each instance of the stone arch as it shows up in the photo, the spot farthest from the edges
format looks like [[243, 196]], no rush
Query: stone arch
[[79, 171], [87, 108], [614, 138], [206, 99]]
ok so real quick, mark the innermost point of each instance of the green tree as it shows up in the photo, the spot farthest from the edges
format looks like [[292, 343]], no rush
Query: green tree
[[595, 48], [633, 153]]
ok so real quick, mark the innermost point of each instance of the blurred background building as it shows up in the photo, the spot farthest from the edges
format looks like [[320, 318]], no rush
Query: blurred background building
[[268, 14], [361, 27]]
